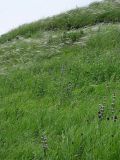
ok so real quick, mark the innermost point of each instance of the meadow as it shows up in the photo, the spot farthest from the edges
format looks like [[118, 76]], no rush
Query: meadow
[[60, 87]]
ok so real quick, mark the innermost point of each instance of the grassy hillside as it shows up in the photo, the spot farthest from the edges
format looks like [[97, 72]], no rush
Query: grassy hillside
[[60, 87], [97, 12]]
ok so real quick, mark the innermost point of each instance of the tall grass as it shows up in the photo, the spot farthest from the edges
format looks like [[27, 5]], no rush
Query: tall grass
[[102, 12], [58, 100]]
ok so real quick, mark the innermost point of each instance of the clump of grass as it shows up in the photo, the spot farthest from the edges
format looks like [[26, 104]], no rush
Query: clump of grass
[[72, 36]]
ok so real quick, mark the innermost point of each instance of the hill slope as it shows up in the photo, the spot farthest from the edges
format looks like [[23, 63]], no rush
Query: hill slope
[[60, 87]]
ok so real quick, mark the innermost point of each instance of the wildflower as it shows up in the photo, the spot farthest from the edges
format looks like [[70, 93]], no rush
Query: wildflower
[[44, 144], [114, 118], [104, 101], [101, 111]]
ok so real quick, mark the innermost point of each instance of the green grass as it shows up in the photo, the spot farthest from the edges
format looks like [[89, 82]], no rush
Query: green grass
[[51, 85], [96, 13]]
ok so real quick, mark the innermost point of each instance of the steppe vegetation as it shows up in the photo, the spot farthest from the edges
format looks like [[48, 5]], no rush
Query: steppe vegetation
[[60, 87]]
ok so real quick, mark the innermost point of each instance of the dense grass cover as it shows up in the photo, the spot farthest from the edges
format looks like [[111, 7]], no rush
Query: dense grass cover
[[60, 89], [96, 13]]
